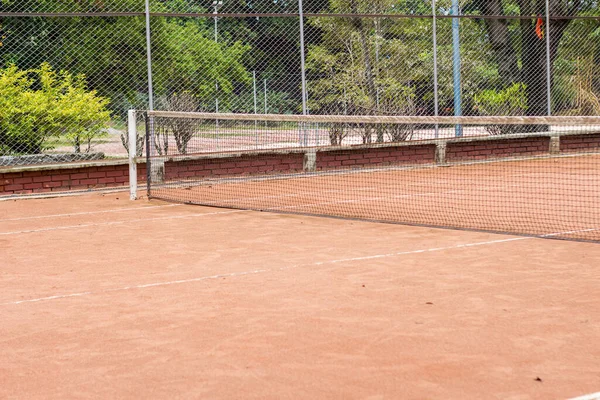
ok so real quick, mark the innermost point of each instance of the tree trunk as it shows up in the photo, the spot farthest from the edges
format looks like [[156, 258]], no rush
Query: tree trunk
[[500, 39], [533, 49]]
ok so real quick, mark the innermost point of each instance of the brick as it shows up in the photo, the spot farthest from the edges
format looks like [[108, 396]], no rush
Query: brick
[[32, 173], [13, 187], [226, 165], [114, 173], [45, 178], [88, 181], [79, 176], [356, 156], [54, 184], [97, 174], [106, 180], [12, 175], [291, 160], [33, 185], [121, 179], [23, 180], [273, 162], [60, 177]]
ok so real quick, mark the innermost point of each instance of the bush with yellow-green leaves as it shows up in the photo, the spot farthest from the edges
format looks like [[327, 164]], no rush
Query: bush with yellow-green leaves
[[41, 104]]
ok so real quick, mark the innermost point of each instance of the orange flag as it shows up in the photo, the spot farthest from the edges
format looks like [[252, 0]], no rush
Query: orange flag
[[538, 28]]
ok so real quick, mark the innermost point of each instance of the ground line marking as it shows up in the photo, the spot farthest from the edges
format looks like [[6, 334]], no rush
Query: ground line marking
[[56, 228], [258, 271], [591, 396], [89, 212]]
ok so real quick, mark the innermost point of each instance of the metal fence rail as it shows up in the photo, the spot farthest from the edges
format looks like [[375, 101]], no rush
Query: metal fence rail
[[70, 70]]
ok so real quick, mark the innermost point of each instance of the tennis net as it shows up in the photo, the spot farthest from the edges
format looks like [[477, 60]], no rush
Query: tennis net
[[535, 176]]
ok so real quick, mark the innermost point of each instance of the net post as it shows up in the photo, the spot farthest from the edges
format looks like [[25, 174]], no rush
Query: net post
[[440, 153], [132, 147], [148, 153], [554, 144], [310, 161]]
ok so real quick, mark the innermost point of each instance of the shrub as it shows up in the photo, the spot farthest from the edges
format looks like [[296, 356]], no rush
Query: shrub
[[509, 101], [38, 104]]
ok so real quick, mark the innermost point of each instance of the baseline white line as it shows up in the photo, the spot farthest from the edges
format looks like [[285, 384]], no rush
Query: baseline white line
[[203, 278], [89, 212], [56, 228], [591, 396]]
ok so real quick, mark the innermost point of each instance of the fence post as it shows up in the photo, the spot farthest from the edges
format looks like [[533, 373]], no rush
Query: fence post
[[435, 68], [548, 66], [149, 58], [132, 147], [456, 64]]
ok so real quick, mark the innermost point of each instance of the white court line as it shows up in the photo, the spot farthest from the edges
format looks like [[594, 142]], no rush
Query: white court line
[[591, 396], [57, 228], [89, 212], [258, 271]]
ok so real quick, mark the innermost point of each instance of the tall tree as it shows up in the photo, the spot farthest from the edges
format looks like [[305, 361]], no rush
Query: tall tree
[[510, 39]]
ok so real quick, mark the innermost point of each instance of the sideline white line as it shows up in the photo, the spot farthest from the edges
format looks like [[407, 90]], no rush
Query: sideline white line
[[89, 212], [56, 228], [591, 396], [258, 271]]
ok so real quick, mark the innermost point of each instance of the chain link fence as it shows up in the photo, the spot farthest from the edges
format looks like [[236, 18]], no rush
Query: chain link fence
[[70, 70]]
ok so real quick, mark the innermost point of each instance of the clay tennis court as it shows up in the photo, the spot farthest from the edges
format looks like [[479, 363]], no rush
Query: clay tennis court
[[555, 196], [102, 297]]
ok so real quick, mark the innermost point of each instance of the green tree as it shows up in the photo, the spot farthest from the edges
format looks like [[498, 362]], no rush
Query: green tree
[[38, 104]]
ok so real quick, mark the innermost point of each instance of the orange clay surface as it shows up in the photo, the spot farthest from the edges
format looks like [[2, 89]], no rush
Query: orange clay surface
[[545, 196], [101, 297]]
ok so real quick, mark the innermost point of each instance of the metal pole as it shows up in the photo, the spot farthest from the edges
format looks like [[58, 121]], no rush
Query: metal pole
[[548, 64], [255, 109], [303, 68], [435, 68], [150, 142], [265, 88], [302, 60], [216, 5], [149, 59], [456, 65], [132, 144], [377, 28]]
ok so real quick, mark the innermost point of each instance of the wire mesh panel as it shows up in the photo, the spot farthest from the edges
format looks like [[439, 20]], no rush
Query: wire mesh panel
[[70, 70], [542, 179]]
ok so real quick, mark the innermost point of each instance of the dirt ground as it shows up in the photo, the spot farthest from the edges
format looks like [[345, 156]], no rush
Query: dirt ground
[[101, 297]]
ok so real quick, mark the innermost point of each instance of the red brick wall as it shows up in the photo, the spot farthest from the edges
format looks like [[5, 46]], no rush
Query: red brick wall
[[252, 164], [61, 180], [463, 151], [580, 142], [65, 179], [417, 154]]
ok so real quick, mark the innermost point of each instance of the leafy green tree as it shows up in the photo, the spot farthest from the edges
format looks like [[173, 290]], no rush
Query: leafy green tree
[[36, 105]]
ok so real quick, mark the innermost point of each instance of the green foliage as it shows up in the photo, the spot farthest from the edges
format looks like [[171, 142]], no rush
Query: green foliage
[[509, 101], [41, 103]]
